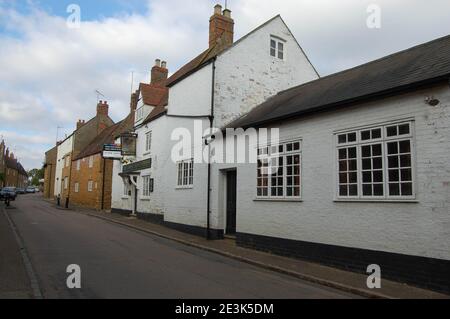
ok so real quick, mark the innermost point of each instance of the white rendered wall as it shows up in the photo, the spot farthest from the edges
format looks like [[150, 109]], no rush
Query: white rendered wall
[[63, 149], [420, 228]]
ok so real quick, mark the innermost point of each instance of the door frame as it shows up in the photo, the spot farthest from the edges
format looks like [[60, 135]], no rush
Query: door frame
[[224, 196]]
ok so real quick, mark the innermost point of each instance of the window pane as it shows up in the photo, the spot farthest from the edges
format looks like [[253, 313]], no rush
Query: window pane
[[367, 189], [352, 152], [353, 190], [407, 189], [378, 190], [394, 176], [405, 147], [343, 191], [376, 133], [391, 131], [393, 161], [353, 178], [343, 153], [394, 189], [365, 135], [352, 137], [366, 151], [406, 175], [403, 129], [377, 150], [342, 139]]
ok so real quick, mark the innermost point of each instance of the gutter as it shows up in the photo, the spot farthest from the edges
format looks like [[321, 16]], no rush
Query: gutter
[[211, 122]]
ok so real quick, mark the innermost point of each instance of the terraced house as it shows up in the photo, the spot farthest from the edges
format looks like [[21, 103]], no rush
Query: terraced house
[[91, 175], [2, 163], [74, 144], [15, 174]]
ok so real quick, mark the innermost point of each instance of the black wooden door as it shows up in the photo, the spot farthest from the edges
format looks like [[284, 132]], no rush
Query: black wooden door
[[231, 202]]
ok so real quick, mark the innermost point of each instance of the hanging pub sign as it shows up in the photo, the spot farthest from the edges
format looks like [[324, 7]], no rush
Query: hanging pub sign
[[112, 151], [128, 141]]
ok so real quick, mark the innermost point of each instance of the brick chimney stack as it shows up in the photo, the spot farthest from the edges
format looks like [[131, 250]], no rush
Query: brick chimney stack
[[7, 153], [102, 108], [159, 73], [221, 27], [134, 101], [80, 124]]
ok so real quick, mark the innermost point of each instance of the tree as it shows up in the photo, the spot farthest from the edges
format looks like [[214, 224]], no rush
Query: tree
[[35, 175]]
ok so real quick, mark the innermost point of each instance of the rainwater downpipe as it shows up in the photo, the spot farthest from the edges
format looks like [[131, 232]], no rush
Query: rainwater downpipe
[[211, 122]]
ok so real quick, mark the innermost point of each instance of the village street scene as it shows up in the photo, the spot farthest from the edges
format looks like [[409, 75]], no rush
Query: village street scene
[[224, 151]]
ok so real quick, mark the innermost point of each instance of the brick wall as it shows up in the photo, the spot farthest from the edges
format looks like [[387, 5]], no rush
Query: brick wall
[[82, 196]]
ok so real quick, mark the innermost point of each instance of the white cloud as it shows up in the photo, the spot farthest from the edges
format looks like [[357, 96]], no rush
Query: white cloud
[[49, 72]]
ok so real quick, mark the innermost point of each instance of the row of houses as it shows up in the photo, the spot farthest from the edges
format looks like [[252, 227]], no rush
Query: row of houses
[[12, 173], [358, 175]]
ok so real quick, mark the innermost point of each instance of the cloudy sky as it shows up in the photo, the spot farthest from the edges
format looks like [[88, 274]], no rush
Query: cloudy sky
[[49, 72]]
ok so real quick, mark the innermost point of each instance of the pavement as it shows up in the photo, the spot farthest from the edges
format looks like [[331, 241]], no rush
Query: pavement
[[125, 258], [344, 281], [14, 280]]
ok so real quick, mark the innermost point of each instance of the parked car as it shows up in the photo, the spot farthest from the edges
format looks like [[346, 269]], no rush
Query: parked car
[[31, 190], [20, 191], [8, 193]]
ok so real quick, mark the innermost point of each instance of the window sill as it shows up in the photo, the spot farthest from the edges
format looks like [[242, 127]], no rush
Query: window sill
[[293, 200], [146, 199], [125, 197], [184, 187], [147, 153], [410, 201]]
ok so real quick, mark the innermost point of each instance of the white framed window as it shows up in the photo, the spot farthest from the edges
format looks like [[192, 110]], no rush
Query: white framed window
[[140, 113], [148, 141], [185, 173], [77, 187], [66, 182], [147, 182], [279, 171], [78, 165], [67, 161], [277, 48], [91, 161], [90, 186], [126, 189], [376, 163]]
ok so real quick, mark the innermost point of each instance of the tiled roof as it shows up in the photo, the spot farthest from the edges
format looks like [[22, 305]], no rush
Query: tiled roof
[[15, 165], [108, 136], [200, 60], [426, 63]]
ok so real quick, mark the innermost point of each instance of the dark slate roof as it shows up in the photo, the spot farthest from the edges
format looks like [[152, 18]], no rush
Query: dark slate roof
[[424, 64], [15, 165]]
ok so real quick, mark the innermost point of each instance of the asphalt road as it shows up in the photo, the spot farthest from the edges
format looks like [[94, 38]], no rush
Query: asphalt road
[[118, 262]]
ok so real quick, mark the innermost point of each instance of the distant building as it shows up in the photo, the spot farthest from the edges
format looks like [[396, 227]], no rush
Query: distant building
[[2, 163], [49, 172], [15, 174]]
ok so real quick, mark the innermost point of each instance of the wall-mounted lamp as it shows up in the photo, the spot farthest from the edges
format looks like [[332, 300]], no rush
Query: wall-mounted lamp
[[430, 100]]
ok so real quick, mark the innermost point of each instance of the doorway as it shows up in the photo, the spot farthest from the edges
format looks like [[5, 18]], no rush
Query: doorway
[[231, 203]]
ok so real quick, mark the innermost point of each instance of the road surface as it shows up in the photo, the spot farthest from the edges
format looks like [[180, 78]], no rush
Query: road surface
[[118, 262]]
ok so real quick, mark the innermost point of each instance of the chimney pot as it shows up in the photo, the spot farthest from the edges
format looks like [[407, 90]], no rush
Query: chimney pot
[[227, 13], [164, 64], [218, 9], [158, 62]]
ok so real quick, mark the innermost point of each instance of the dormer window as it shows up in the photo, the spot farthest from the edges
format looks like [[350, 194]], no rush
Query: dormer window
[[140, 114], [277, 47]]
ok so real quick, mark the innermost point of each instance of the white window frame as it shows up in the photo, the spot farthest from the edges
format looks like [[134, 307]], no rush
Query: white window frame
[[186, 179], [77, 187], [90, 186], [140, 113], [126, 189], [66, 182], [146, 180], [78, 165], [267, 153], [91, 161], [67, 161], [384, 140], [148, 142], [279, 48]]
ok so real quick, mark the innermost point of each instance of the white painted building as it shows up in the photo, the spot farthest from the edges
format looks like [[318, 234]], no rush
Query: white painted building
[[63, 151], [364, 176], [222, 83]]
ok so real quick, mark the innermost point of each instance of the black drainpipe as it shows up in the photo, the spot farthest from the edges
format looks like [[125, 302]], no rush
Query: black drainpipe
[[211, 122]]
